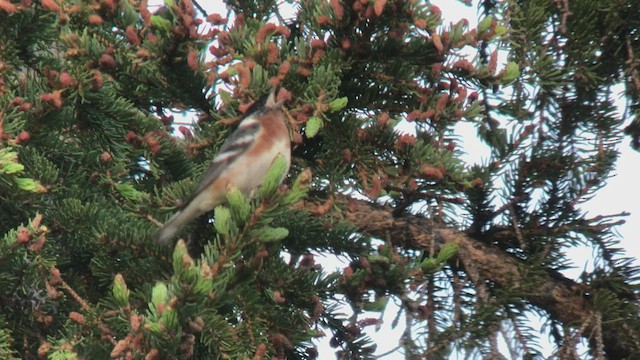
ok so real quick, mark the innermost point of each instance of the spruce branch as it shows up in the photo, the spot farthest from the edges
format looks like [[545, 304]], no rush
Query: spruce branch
[[563, 299]]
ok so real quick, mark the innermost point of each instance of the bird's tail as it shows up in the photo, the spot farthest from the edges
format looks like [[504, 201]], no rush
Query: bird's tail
[[169, 230]]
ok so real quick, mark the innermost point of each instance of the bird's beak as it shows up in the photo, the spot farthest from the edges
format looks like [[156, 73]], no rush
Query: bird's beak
[[271, 103]]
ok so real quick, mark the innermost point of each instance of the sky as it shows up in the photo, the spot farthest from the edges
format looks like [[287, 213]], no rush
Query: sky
[[616, 197]]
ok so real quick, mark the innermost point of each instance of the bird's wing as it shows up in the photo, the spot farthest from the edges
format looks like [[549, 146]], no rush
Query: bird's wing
[[236, 144]]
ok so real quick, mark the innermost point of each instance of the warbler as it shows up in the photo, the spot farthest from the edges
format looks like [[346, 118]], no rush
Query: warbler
[[242, 163]]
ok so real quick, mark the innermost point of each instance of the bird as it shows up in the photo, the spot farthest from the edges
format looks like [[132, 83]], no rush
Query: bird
[[242, 163]]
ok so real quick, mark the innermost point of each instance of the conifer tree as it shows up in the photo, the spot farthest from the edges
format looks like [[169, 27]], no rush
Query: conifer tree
[[92, 161]]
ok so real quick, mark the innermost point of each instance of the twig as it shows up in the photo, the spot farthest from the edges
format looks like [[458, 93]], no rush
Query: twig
[[200, 8], [106, 332], [516, 227], [510, 346], [277, 12], [519, 335], [388, 352], [153, 220], [75, 296], [597, 336]]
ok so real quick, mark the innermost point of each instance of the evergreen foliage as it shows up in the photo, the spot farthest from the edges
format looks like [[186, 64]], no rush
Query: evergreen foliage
[[92, 161]]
